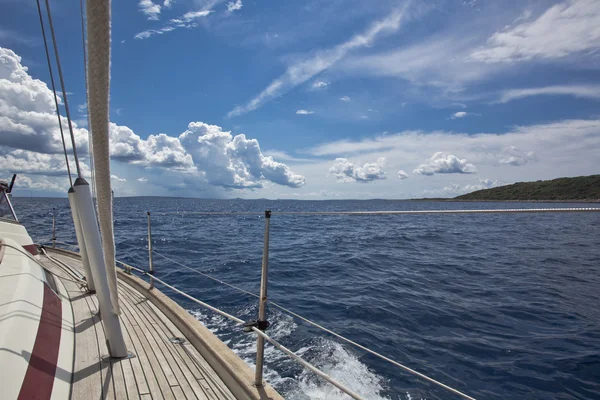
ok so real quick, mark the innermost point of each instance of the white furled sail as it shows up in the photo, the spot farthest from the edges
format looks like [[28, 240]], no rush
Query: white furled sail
[[98, 73]]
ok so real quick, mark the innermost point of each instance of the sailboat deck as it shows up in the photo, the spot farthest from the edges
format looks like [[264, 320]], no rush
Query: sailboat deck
[[160, 369]]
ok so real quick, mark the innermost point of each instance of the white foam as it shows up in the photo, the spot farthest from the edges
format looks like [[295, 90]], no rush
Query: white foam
[[329, 356], [333, 359]]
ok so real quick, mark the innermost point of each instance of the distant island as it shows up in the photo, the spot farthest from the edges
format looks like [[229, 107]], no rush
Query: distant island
[[581, 188]]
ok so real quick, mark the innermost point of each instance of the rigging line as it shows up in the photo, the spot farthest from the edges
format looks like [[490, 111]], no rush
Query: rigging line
[[290, 312], [62, 134], [381, 356], [302, 361], [207, 276], [84, 50], [62, 84], [278, 345], [28, 255]]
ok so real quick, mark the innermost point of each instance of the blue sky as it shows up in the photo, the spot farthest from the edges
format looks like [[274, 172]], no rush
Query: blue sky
[[335, 99]]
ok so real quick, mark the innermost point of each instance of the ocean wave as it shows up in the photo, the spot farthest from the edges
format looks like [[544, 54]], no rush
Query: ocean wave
[[329, 356]]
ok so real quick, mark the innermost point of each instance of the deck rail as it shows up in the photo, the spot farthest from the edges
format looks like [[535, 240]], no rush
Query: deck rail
[[259, 326]]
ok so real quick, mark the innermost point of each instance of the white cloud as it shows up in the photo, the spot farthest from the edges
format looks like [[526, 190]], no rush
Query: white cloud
[[233, 161], [30, 143], [192, 15], [402, 174], [150, 9], [455, 189], [282, 155], [440, 163], [319, 84], [27, 111], [10, 36], [345, 99], [562, 148], [156, 151], [29, 162], [117, 179], [304, 70], [234, 6], [345, 171], [26, 182], [568, 137], [460, 114], [168, 3], [441, 61], [187, 20], [564, 29], [304, 112], [142, 179], [515, 157], [581, 91]]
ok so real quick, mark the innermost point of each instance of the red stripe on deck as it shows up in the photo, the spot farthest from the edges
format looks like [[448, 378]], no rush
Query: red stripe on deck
[[32, 248], [39, 377]]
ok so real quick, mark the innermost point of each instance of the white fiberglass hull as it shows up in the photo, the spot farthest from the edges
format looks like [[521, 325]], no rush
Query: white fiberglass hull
[[36, 323]]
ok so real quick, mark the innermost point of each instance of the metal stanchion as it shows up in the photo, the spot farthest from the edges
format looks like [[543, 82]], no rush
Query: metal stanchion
[[150, 263], [262, 322], [53, 229]]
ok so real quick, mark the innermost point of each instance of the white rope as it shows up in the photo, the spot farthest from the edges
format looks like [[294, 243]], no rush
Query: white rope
[[64, 266], [98, 72]]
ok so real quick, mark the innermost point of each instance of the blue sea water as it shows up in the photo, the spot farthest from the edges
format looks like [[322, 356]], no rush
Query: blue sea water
[[500, 306]]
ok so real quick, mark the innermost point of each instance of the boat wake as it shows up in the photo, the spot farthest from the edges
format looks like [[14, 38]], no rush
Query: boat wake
[[286, 376]]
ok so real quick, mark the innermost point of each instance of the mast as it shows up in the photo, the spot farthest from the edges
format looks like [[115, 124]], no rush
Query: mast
[[102, 259]]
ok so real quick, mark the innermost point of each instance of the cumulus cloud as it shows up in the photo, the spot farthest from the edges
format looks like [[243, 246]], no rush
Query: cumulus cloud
[[33, 163], [205, 151], [566, 28], [157, 150], [307, 68], [319, 84], [402, 174], [304, 112], [150, 9], [233, 161], [30, 142], [27, 111], [345, 99], [26, 182], [234, 6], [345, 171], [440, 163], [515, 157], [142, 179]]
